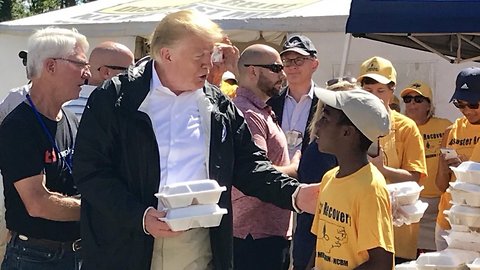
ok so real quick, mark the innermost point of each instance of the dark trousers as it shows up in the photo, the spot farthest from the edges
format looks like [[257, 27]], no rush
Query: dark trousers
[[22, 255], [271, 253]]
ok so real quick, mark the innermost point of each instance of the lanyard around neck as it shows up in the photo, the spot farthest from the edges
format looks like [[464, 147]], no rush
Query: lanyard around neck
[[68, 162]]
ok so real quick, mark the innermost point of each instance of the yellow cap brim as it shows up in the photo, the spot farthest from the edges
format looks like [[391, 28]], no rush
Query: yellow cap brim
[[379, 78], [409, 90]]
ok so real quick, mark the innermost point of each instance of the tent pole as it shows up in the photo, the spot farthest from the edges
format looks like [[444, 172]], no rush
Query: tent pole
[[346, 50], [429, 48]]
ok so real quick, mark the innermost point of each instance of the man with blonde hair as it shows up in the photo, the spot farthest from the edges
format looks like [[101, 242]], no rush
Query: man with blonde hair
[[160, 125], [37, 139]]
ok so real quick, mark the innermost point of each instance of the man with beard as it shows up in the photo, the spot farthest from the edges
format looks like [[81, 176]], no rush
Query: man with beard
[[261, 230]]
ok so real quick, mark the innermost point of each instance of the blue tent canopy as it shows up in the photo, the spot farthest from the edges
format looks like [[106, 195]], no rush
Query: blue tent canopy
[[449, 28]]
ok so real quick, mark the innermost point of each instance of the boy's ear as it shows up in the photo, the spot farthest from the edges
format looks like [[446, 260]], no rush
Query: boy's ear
[[349, 130]]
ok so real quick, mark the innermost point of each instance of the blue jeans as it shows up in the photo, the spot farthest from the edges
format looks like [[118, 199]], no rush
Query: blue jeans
[[22, 256]]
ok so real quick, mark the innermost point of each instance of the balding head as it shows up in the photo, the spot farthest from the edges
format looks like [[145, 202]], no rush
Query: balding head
[[107, 60], [257, 54], [260, 70]]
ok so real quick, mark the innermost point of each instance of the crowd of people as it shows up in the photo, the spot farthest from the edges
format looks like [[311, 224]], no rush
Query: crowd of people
[[88, 141]]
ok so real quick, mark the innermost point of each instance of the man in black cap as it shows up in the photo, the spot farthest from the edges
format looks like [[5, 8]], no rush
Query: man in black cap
[[294, 108], [295, 105]]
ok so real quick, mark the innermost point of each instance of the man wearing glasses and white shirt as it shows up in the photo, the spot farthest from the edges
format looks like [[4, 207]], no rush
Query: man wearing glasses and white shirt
[[294, 108], [296, 103]]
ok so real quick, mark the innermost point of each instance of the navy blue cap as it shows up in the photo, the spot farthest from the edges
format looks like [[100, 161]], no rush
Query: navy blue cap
[[467, 86], [299, 44]]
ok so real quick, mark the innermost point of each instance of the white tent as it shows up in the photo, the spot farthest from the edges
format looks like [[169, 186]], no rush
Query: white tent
[[130, 21]]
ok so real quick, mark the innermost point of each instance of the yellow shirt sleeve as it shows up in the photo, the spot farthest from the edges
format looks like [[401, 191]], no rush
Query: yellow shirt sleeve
[[409, 144]]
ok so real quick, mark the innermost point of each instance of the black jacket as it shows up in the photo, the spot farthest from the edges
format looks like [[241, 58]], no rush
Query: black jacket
[[116, 168], [278, 102]]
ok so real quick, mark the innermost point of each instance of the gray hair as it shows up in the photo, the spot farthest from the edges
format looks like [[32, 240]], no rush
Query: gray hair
[[52, 42]]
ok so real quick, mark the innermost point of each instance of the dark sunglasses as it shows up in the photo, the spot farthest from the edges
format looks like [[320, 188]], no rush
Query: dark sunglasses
[[342, 79], [416, 99], [113, 67], [462, 105], [276, 68]]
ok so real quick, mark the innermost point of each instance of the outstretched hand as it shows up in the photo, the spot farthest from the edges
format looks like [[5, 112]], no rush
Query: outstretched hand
[[307, 198]]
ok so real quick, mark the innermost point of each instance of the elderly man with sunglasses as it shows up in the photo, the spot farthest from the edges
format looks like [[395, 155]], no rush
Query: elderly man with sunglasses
[[418, 99], [462, 137]]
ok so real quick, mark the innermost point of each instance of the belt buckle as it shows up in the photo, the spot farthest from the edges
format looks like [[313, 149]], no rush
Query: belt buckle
[[76, 245]]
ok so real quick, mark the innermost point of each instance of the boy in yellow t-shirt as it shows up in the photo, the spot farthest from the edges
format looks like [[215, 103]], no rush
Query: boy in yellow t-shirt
[[353, 221]]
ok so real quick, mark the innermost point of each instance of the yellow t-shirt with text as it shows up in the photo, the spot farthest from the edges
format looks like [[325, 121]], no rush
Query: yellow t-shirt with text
[[476, 153], [463, 138], [353, 215], [432, 133]]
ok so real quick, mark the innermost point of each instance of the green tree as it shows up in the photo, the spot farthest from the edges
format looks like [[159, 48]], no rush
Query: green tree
[[16, 9]]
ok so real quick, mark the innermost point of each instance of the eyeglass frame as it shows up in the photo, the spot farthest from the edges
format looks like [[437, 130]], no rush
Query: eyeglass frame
[[275, 68], [113, 67], [83, 65], [348, 79], [287, 62], [463, 105], [417, 99]]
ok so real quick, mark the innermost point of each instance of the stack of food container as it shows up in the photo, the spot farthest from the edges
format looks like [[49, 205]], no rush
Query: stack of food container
[[457, 256], [464, 216], [192, 204], [406, 207]]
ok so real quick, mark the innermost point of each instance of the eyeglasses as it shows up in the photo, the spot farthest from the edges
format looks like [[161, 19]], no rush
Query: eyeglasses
[[276, 68], [83, 65], [462, 105], [416, 99], [297, 61], [113, 67], [342, 79]]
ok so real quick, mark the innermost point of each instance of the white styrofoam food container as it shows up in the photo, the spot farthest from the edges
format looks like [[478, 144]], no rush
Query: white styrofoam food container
[[405, 193], [413, 212], [448, 259], [468, 171], [465, 193], [194, 216], [464, 215], [406, 266], [466, 240], [475, 265], [462, 228], [463, 245], [188, 193]]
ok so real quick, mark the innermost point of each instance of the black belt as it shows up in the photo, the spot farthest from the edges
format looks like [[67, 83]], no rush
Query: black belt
[[71, 246]]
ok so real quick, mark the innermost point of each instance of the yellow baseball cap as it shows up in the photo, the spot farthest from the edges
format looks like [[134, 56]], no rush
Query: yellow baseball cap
[[420, 88], [379, 69]]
